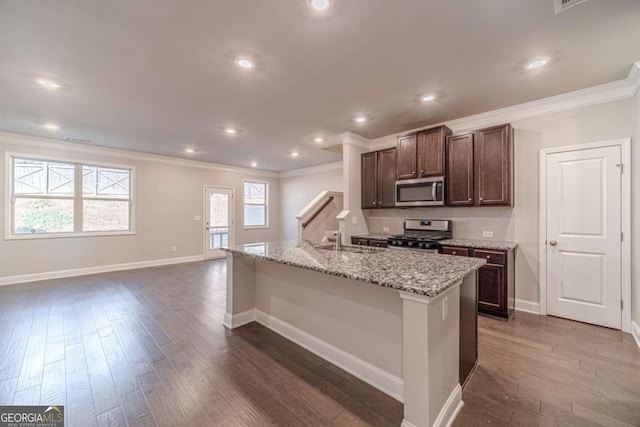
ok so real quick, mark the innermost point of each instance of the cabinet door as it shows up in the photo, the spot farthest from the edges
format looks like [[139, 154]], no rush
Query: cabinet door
[[369, 178], [359, 241], [386, 178], [491, 290], [493, 151], [431, 148], [460, 170], [406, 157]]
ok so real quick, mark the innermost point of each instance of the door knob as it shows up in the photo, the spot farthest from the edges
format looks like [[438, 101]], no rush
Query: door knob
[[553, 243]]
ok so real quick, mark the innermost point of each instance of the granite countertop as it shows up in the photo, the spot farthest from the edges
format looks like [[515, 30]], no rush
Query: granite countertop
[[480, 244], [372, 236], [426, 274]]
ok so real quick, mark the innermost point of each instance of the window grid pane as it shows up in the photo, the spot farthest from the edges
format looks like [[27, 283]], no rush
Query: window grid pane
[[255, 204], [43, 195]]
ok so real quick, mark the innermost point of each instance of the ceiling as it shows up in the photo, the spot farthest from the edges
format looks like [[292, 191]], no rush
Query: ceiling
[[159, 76]]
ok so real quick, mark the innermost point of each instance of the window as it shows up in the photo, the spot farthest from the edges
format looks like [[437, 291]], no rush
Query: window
[[57, 198], [255, 204]]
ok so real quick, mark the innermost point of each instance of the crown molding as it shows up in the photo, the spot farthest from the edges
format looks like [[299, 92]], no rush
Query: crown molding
[[312, 170], [350, 138], [21, 140], [607, 92]]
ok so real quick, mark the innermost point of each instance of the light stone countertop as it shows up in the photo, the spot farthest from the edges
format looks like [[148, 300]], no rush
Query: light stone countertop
[[480, 244], [372, 236], [426, 274]]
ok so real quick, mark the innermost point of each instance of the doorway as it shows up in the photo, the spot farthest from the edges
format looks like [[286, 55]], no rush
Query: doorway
[[585, 212], [218, 221]]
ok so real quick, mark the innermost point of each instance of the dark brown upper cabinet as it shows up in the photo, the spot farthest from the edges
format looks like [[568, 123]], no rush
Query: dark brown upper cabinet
[[407, 157], [431, 151], [378, 179], [480, 168], [369, 177], [493, 162], [459, 178]]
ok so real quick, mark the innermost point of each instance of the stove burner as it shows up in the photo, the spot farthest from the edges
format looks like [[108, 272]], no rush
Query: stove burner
[[421, 235]]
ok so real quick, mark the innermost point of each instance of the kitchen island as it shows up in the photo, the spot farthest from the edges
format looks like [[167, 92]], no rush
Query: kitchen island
[[391, 318]]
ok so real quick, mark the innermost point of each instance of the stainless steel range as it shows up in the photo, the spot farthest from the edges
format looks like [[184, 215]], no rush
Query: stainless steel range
[[422, 235]]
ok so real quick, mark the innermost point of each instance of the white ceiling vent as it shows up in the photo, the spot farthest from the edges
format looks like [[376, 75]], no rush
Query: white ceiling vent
[[562, 5], [78, 140]]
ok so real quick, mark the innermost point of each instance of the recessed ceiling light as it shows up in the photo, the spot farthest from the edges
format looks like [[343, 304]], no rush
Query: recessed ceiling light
[[427, 98], [189, 150], [319, 5], [48, 83], [318, 140], [231, 131], [537, 63], [294, 154], [254, 164], [360, 119], [245, 62], [51, 126]]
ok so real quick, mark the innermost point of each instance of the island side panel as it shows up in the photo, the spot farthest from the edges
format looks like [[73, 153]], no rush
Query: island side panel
[[241, 273], [360, 319], [431, 358]]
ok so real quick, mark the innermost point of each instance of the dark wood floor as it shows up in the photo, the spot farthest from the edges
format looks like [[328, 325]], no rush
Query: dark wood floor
[[147, 347]]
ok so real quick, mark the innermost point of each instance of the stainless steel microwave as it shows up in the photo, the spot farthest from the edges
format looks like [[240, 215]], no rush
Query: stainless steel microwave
[[420, 192]]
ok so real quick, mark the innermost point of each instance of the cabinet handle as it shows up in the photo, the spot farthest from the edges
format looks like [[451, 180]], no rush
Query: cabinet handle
[[453, 253], [422, 171], [469, 199], [481, 198], [413, 171], [488, 256]]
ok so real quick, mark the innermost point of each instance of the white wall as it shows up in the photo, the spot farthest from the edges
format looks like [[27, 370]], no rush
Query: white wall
[[635, 148], [599, 122], [169, 192], [298, 190]]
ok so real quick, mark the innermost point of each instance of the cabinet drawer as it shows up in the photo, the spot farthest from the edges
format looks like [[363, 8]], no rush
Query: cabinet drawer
[[492, 257], [378, 243], [357, 241], [449, 250]]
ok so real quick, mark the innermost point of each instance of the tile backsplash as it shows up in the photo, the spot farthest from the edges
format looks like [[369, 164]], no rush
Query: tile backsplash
[[468, 223]]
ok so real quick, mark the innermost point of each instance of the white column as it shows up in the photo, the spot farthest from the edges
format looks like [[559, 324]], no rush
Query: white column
[[353, 146], [241, 277], [431, 333]]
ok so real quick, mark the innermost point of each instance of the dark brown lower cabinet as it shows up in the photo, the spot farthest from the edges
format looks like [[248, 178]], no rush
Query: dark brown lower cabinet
[[496, 279], [368, 242]]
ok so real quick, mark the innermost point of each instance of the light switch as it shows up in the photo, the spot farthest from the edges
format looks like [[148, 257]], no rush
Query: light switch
[[487, 234], [445, 308], [385, 229], [354, 220], [197, 218]]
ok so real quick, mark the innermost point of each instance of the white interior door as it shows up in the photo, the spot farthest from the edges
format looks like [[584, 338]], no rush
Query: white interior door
[[218, 221], [584, 225]]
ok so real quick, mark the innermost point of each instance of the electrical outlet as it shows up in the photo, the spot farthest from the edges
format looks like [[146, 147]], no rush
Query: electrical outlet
[[385, 229], [354, 220], [487, 234], [197, 217], [445, 308], [174, 248]]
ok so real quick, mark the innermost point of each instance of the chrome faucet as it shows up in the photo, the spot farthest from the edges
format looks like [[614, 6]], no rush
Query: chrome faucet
[[338, 236]]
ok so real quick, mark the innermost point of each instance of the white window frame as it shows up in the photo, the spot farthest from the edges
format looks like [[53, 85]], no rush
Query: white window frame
[[266, 205], [77, 198]]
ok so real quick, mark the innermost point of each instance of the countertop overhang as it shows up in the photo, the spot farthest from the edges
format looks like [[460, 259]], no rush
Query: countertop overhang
[[420, 273]]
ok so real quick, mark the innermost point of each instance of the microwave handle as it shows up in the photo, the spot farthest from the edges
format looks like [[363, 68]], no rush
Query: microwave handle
[[433, 191]]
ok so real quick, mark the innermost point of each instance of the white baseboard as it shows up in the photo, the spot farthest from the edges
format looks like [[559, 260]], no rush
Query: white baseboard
[[449, 411], [10, 280], [527, 306], [376, 377], [635, 331], [232, 321]]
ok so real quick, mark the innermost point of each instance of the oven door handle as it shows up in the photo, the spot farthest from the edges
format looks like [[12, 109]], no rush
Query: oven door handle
[[433, 191]]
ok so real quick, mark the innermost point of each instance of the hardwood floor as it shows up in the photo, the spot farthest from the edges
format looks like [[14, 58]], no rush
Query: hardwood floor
[[147, 347]]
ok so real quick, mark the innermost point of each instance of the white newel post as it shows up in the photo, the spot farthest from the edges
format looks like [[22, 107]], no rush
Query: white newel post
[[430, 332]]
